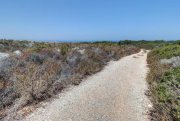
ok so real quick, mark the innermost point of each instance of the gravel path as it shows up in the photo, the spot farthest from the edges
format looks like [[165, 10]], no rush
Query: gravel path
[[114, 94]]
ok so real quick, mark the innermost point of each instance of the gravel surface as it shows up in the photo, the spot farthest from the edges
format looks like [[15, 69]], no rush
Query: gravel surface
[[114, 94]]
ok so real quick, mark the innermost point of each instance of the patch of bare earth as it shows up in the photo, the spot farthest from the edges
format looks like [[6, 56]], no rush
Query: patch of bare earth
[[114, 94]]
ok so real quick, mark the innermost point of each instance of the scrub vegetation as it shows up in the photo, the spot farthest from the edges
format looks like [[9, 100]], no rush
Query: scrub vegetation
[[164, 81], [163, 77], [44, 69]]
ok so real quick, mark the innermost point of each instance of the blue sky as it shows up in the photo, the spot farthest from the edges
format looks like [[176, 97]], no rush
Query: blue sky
[[89, 19]]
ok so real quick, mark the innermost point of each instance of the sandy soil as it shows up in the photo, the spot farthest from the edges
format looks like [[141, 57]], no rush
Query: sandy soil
[[114, 94]]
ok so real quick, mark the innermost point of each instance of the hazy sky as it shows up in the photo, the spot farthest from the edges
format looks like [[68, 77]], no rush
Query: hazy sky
[[89, 19]]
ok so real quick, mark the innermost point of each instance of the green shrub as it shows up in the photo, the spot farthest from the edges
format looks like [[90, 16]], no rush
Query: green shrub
[[144, 43], [64, 49], [36, 58], [164, 83], [167, 51], [38, 47]]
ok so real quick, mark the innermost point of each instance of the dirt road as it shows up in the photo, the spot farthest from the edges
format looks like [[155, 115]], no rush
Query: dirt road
[[114, 94]]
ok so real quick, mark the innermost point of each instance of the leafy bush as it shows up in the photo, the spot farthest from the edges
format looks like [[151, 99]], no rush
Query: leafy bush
[[167, 51], [164, 80], [65, 49]]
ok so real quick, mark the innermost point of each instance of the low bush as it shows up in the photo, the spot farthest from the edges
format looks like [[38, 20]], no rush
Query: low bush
[[64, 49], [44, 69], [12, 45], [164, 81], [167, 51], [34, 80], [147, 44]]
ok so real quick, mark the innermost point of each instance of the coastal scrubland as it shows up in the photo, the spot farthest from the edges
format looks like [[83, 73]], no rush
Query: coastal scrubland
[[163, 77], [37, 71], [164, 82], [40, 70]]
